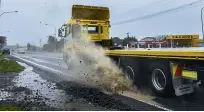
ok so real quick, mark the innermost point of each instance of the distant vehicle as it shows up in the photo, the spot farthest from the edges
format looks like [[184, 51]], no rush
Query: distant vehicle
[[6, 51], [22, 50]]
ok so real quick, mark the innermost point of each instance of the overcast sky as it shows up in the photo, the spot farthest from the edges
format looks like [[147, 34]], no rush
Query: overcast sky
[[28, 25]]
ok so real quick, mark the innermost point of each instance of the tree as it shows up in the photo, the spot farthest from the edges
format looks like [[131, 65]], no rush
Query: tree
[[17, 46], [29, 46], [34, 48], [60, 44], [52, 43], [2, 41], [51, 40], [127, 40], [117, 40], [45, 47]]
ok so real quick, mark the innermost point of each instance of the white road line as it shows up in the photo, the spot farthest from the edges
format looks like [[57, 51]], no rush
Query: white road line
[[49, 57], [41, 55], [38, 60], [44, 61], [42, 66], [155, 105]]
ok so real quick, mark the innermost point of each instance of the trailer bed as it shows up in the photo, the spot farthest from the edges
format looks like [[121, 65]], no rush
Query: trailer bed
[[193, 53]]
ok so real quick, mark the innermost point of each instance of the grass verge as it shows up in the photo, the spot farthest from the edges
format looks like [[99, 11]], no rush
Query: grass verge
[[8, 108], [9, 65]]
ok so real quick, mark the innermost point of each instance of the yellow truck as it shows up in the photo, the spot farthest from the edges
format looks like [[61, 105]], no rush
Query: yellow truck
[[167, 71]]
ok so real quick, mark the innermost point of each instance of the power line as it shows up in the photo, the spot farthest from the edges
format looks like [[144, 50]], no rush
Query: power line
[[158, 2], [159, 13], [152, 3], [176, 9], [128, 34]]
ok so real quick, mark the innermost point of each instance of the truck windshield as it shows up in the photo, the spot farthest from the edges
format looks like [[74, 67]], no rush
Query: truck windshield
[[94, 29]]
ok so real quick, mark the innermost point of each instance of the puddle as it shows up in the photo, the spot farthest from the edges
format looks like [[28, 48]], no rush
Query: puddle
[[40, 87]]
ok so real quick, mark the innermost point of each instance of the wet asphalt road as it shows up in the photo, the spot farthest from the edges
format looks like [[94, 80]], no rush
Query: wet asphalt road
[[47, 76], [84, 96]]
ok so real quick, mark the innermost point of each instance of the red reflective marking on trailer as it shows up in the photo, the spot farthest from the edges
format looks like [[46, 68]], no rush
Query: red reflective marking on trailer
[[178, 70]]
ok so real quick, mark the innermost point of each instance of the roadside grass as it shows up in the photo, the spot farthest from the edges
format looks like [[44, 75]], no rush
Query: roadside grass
[[1, 56], [8, 108], [9, 65]]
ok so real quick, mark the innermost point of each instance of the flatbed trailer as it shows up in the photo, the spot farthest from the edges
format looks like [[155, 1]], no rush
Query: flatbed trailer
[[168, 71], [168, 53]]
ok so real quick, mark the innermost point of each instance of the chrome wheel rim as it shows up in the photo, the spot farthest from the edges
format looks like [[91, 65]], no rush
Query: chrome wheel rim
[[158, 79]]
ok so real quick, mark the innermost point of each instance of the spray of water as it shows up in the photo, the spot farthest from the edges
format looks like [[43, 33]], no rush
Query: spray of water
[[98, 69]]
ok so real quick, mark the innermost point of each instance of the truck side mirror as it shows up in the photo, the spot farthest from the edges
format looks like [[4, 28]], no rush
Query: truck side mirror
[[60, 32], [63, 31]]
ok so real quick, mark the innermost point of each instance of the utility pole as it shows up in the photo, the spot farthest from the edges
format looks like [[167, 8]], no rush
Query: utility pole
[[0, 5], [127, 39], [40, 44], [202, 21], [128, 34], [7, 12]]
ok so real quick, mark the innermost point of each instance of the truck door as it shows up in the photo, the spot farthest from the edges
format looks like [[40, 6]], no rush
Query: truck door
[[68, 34], [76, 31]]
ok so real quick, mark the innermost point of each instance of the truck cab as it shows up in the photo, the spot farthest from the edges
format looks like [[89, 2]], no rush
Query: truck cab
[[87, 22]]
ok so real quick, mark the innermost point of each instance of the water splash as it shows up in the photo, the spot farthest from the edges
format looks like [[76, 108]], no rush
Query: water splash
[[98, 69]]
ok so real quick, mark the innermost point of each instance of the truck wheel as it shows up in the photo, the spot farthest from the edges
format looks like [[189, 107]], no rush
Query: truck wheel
[[130, 68], [160, 79]]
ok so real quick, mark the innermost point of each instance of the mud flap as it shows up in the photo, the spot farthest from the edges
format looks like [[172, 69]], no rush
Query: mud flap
[[184, 89], [183, 80]]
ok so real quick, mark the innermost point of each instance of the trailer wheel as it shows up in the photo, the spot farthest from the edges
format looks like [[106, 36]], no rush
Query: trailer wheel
[[130, 68], [160, 79]]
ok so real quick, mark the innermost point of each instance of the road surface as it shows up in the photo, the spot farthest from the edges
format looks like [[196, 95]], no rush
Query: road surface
[[56, 68]]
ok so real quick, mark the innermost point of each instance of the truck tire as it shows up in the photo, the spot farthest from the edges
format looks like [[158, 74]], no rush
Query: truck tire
[[131, 68], [160, 79]]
